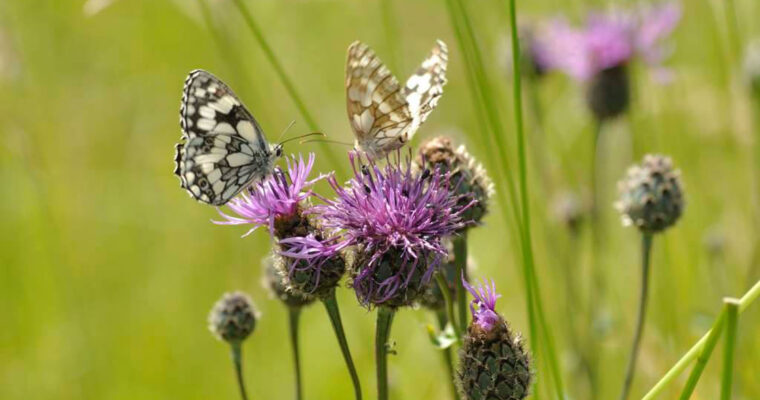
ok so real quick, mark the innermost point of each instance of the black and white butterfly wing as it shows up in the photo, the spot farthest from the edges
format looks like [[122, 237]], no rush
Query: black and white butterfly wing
[[425, 86], [383, 114], [224, 148]]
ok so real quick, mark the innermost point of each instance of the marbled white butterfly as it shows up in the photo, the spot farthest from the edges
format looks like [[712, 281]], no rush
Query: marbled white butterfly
[[384, 115], [224, 148]]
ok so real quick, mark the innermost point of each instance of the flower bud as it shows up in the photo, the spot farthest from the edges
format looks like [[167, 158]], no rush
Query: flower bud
[[233, 317], [651, 196], [277, 284], [468, 176], [493, 362], [608, 93]]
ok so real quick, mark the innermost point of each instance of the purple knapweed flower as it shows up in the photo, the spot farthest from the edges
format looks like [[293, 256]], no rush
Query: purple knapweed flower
[[280, 195], [396, 218], [485, 296], [608, 40]]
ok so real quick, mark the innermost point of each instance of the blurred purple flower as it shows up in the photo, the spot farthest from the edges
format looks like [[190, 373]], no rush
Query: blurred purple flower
[[393, 215], [485, 297], [607, 40], [279, 195]]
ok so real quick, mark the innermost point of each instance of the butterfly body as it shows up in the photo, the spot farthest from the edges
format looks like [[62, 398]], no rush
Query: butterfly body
[[225, 149], [383, 114]]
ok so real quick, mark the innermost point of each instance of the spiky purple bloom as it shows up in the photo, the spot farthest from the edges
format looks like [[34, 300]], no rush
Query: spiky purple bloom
[[396, 218], [280, 195], [608, 40], [485, 297]]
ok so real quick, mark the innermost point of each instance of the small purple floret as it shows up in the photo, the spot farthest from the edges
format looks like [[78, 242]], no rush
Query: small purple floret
[[392, 211], [277, 196], [485, 296]]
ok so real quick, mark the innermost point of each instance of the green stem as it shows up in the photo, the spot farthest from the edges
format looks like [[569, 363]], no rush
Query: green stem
[[448, 359], [384, 321], [704, 355], [236, 348], [732, 319], [460, 259], [446, 292], [284, 78], [696, 350], [529, 262], [331, 305], [294, 314], [646, 247]]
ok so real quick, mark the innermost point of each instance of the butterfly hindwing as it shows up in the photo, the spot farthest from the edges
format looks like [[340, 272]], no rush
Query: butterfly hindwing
[[225, 148], [383, 114]]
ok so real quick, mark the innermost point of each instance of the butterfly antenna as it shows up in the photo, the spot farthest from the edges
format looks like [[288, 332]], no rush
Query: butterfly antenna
[[325, 141], [302, 136], [290, 125]]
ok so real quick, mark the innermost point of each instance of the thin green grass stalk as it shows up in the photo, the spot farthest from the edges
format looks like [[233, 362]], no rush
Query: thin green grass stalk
[[384, 322], [448, 359], [646, 249], [444, 287], [695, 351], [294, 316], [236, 350], [460, 260], [732, 28], [285, 79], [331, 305], [524, 195], [732, 319], [704, 356]]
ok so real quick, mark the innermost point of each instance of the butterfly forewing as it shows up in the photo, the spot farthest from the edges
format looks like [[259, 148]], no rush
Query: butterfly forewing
[[377, 109], [384, 115], [225, 148]]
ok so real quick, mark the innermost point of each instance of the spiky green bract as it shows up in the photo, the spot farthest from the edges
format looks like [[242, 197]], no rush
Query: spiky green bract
[[277, 283], [609, 93], [651, 195]]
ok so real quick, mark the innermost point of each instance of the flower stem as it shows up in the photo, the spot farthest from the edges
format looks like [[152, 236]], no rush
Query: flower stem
[[444, 287], [294, 314], [284, 78], [696, 350], [384, 321], [646, 247], [732, 317], [236, 348], [331, 305], [460, 259], [448, 360]]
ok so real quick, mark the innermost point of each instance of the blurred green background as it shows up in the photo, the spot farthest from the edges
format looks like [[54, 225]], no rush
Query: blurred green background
[[108, 269]]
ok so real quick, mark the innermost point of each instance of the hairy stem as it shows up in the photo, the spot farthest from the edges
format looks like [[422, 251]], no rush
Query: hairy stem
[[331, 305], [448, 359], [384, 321], [460, 260], [646, 247], [236, 348], [294, 314], [446, 292]]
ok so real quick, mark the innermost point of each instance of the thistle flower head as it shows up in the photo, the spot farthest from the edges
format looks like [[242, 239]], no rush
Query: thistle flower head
[[493, 361], [395, 218], [233, 317], [608, 40], [651, 195], [468, 179], [277, 198], [483, 305], [312, 264]]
